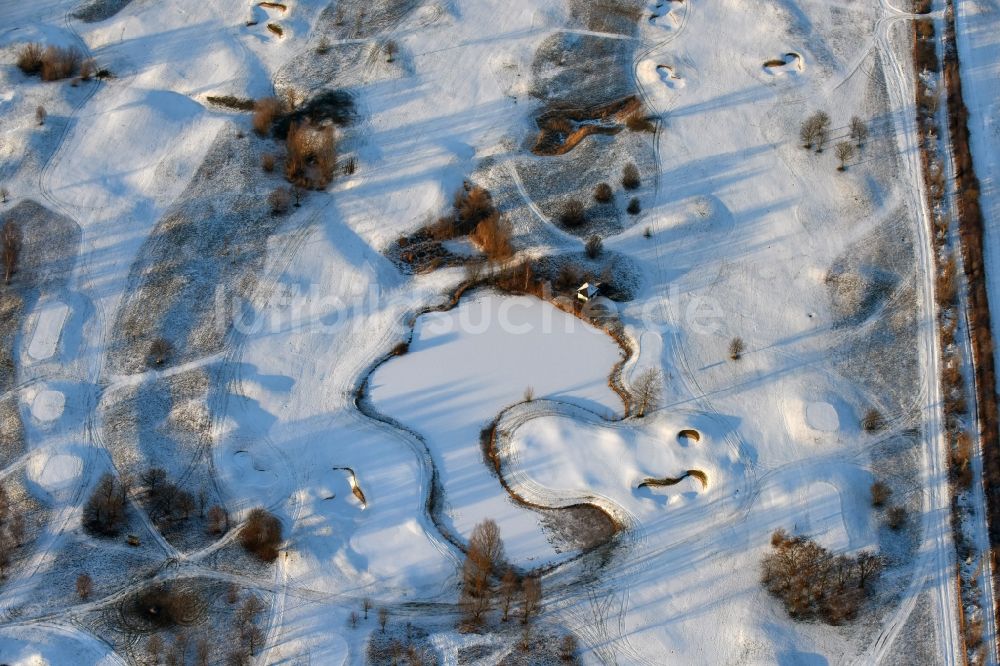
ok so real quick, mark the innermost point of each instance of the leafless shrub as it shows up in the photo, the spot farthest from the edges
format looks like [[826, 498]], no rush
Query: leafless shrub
[[29, 58], [261, 535], [324, 45], [87, 69], [267, 161], [573, 214], [647, 391], [390, 51], [472, 205], [529, 394], [648, 232], [217, 520], [603, 193], [160, 351], [493, 236], [873, 421], [154, 648], [880, 493], [59, 63], [736, 348], [280, 200], [84, 586], [265, 110], [639, 122], [634, 207], [630, 177], [104, 512], [164, 604], [4, 195], [567, 647], [594, 247], [40, 115]]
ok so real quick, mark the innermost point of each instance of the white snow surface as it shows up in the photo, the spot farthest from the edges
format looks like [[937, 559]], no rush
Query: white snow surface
[[743, 225]]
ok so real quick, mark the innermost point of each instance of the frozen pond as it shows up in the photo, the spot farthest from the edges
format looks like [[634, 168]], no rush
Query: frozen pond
[[467, 364]]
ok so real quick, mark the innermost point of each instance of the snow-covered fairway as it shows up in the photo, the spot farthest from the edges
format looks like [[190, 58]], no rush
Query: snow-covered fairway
[[824, 275]]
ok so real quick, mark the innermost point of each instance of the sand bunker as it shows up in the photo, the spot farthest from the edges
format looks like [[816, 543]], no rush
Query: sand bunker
[[48, 405], [55, 472], [790, 63], [670, 77], [822, 416]]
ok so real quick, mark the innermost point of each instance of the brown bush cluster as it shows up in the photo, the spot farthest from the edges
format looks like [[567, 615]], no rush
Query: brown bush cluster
[[474, 214], [813, 583], [52, 63], [261, 535], [265, 112], [312, 155]]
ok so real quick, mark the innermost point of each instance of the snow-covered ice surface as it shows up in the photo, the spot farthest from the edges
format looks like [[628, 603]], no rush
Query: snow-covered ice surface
[[463, 367], [824, 275]]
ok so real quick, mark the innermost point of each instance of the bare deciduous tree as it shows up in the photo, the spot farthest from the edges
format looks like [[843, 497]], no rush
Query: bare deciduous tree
[[531, 598], [859, 131], [40, 115], [845, 151], [366, 605], [4, 195], [104, 512], [815, 130], [484, 556], [508, 590], [648, 390], [736, 348], [383, 618]]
